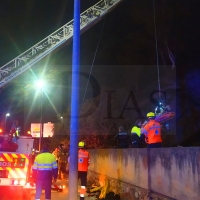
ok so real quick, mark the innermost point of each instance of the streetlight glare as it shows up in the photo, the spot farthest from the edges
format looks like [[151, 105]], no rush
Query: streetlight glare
[[5, 120], [40, 84]]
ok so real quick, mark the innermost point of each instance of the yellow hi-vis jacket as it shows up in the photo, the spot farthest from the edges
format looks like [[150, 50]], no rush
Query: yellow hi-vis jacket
[[45, 167], [136, 130]]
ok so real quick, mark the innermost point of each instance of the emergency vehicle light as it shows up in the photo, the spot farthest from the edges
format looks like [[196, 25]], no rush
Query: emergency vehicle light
[[15, 182], [18, 162], [22, 182], [18, 182]]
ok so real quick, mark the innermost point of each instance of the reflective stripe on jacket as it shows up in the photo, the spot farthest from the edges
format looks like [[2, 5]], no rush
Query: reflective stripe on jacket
[[83, 160], [152, 132], [45, 166]]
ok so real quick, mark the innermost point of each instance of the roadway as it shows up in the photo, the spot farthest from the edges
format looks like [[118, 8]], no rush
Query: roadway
[[16, 194], [60, 195]]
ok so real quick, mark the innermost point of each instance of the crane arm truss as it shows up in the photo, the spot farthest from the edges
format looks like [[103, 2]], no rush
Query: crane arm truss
[[30, 57]]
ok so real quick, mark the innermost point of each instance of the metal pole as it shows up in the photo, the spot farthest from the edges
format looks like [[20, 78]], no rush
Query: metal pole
[[41, 123], [73, 169]]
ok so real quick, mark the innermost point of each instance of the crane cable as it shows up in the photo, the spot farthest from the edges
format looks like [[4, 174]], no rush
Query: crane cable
[[93, 60], [157, 62]]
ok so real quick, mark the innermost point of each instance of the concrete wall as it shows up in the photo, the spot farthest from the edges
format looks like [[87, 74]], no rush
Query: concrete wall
[[174, 172]]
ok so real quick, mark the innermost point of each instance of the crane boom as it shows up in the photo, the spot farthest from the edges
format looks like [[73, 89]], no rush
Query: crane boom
[[54, 41]]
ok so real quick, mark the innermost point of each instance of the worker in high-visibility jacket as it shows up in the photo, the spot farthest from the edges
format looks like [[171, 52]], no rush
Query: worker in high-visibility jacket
[[152, 132], [45, 171], [83, 163], [136, 137]]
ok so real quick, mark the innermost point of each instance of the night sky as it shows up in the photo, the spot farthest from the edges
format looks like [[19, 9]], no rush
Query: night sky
[[128, 38]]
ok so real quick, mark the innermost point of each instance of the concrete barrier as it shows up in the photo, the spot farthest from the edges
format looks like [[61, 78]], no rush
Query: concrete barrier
[[170, 173]]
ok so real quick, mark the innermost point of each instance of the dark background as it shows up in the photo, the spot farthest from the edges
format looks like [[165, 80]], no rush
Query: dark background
[[128, 38]]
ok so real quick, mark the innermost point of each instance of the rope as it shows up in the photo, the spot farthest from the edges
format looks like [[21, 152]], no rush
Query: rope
[[93, 60], [159, 88]]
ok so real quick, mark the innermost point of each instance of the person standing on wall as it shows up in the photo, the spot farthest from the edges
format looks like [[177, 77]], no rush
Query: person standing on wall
[[152, 132], [136, 137], [122, 139], [44, 169], [83, 163]]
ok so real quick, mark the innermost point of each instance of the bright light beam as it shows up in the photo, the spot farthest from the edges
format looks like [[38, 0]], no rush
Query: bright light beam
[[40, 84]]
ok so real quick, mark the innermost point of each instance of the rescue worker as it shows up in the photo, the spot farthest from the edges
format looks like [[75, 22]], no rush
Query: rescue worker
[[122, 139], [44, 170], [14, 132], [152, 132], [62, 161], [136, 136], [83, 163]]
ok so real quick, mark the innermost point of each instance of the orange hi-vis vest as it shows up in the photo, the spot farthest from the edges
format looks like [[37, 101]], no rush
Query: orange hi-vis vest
[[152, 132], [83, 160]]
